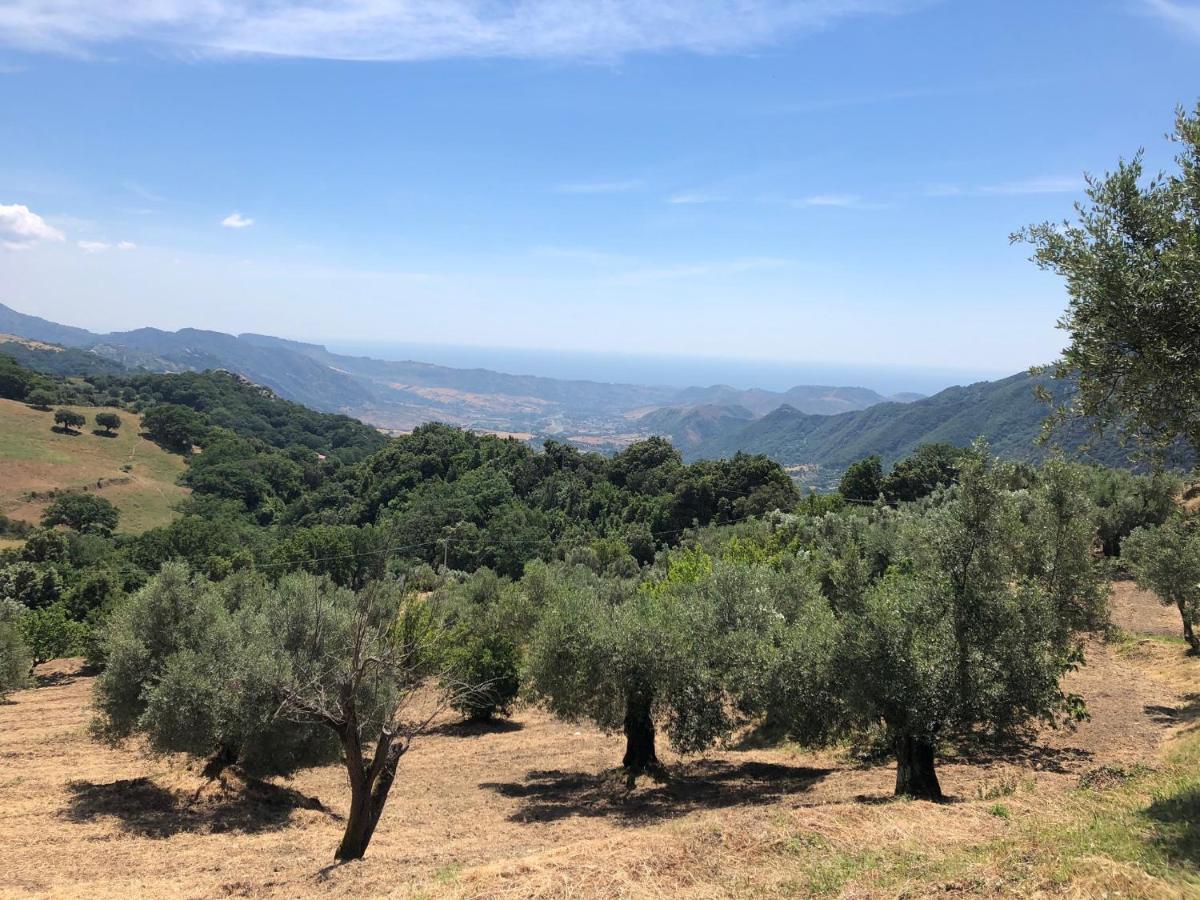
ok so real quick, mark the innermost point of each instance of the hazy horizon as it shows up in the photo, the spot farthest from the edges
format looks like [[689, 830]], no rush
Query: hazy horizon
[[670, 370]]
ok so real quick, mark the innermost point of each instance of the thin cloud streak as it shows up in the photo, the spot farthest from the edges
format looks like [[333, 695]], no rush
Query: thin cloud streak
[[599, 187], [1041, 184], [1176, 14], [402, 30]]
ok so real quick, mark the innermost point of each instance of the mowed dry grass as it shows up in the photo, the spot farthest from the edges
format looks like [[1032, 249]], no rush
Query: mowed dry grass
[[34, 459], [534, 808]]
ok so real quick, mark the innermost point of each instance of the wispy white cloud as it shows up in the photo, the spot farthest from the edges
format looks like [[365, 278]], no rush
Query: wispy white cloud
[[237, 220], [126, 246], [1040, 184], [93, 246], [842, 200], [599, 187], [142, 191], [1179, 15], [692, 198], [1043, 184], [21, 228], [428, 29]]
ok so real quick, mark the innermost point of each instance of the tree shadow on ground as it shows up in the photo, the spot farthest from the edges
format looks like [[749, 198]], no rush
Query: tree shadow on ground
[[467, 728], [1176, 821], [149, 810], [54, 679], [707, 784], [100, 432], [58, 429], [1187, 713], [1023, 749]]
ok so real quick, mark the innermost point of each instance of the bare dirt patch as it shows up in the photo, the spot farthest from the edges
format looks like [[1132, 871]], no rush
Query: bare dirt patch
[[1139, 612], [534, 807]]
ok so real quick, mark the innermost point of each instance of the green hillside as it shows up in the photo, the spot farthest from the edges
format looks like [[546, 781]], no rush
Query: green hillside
[[1007, 413], [136, 475]]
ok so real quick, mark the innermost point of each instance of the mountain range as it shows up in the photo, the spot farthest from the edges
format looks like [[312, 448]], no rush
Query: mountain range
[[398, 395], [815, 431]]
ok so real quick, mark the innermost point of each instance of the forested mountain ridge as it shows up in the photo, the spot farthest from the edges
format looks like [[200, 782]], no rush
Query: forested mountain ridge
[[399, 395], [1007, 413]]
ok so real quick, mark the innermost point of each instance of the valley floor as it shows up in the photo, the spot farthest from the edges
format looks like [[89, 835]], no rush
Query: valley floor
[[533, 808]]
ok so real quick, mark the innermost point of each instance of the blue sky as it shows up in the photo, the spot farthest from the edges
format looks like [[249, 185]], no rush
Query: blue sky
[[811, 180]]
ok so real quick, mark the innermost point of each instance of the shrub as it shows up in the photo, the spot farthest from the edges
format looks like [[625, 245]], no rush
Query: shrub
[[41, 399], [51, 634], [482, 673]]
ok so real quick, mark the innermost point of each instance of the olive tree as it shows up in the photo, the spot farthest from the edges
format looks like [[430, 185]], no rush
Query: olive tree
[[954, 641], [690, 652], [1131, 261], [1059, 544], [1166, 560], [274, 677], [15, 658]]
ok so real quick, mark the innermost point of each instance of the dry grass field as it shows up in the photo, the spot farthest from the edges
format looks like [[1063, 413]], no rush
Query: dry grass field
[[533, 808], [35, 460]]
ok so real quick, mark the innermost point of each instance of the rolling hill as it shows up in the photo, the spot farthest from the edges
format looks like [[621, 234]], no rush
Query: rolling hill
[[37, 461]]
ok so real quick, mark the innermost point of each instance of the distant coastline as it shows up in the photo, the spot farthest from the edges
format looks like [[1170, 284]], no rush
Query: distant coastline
[[673, 371]]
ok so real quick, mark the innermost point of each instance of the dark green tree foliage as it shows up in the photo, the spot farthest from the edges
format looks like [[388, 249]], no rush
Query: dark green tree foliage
[[68, 419], [13, 527], [931, 466], [51, 633], [350, 555], [15, 380], [1125, 501], [174, 427], [45, 545], [224, 400], [208, 536], [487, 661], [15, 658], [953, 642], [862, 482], [42, 399], [1131, 262], [82, 512], [246, 470], [465, 501], [30, 585], [109, 421], [1166, 560]]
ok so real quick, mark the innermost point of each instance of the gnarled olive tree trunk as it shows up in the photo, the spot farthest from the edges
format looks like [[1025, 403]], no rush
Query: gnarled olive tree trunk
[[369, 788], [1189, 633], [915, 774], [640, 756]]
